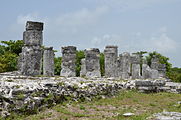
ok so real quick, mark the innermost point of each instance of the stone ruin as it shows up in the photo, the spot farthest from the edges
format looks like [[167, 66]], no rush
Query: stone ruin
[[30, 60], [90, 65], [68, 61], [48, 61], [124, 66]]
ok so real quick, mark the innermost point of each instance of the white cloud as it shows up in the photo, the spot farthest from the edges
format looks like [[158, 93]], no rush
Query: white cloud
[[81, 17], [164, 43], [21, 19]]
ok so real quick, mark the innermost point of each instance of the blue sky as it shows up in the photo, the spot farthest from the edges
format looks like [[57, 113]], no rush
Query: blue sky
[[132, 25]]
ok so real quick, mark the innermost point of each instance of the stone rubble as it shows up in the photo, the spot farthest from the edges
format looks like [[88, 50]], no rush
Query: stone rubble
[[167, 116], [26, 94]]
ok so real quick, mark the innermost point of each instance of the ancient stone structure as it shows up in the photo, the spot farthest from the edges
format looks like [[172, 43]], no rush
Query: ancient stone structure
[[92, 65], [161, 68], [48, 61], [135, 70], [31, 56], [68, 61], [83, 68], [111, 56], [124, 65]]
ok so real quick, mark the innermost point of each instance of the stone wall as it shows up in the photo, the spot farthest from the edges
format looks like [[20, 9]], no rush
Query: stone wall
[[29, 94]]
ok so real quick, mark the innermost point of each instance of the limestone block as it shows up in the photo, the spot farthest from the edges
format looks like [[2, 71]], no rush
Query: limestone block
[[136, 71], [124, 65], [83, 68], [111, 55], [48, 61], [31, 25], [68, 61], [92, 57], [31, 60], [33, 37]]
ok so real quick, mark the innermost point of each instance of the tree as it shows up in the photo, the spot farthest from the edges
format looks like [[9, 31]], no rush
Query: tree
[[9, 55], [162, 60], [13, 46], [57, 64], [102, 66]]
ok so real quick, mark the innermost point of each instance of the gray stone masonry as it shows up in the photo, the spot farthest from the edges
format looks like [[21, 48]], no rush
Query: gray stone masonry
[[31, 57], [124, 65], [147, 72], [156, 65], [92, 64], [135, 60], [68, 61], [83, 68], [31, 60], [48, 61], [111, 56]]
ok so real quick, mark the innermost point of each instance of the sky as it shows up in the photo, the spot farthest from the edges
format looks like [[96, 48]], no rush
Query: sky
[[132, 25]]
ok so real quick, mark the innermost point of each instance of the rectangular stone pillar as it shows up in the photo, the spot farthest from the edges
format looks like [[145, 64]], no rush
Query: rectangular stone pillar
[[68, 61], [48, 61], [83, 68], [111, 56], [92, 64], [31, 56], [31, 60], [135, 60], [124, 65]]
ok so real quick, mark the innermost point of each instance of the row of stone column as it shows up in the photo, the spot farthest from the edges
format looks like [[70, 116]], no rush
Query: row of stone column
[[32, 55], [124, 66]]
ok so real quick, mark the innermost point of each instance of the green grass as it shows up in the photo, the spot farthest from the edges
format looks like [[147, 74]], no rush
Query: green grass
[[113, 108]]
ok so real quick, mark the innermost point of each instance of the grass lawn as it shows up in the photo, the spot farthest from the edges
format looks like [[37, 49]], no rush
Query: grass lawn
[[141, 104]]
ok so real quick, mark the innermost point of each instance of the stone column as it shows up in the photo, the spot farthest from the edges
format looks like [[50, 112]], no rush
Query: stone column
[[68, 61], [92, 64], [145, 70], [111, 56], [31, 56], [124, 65], [48, 61], [135, 60], [156, 65], [154, 62], [83, 68]]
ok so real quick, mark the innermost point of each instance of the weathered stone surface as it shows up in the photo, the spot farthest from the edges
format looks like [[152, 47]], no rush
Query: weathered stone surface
[[68, 61], [27, 94], [124, 65], [135, 71], [48, 61], [31, 58], [33, 37], [111, 54], [31, 25], [83, 68], [154, 62], [92, 64], [167, 116]]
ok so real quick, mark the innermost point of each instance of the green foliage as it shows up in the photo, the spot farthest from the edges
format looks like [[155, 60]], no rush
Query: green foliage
[[175, 74], [9, 55], [57, 61], [13, 46], [8, 62], [162, 59], [102, 66], [79, 55]]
